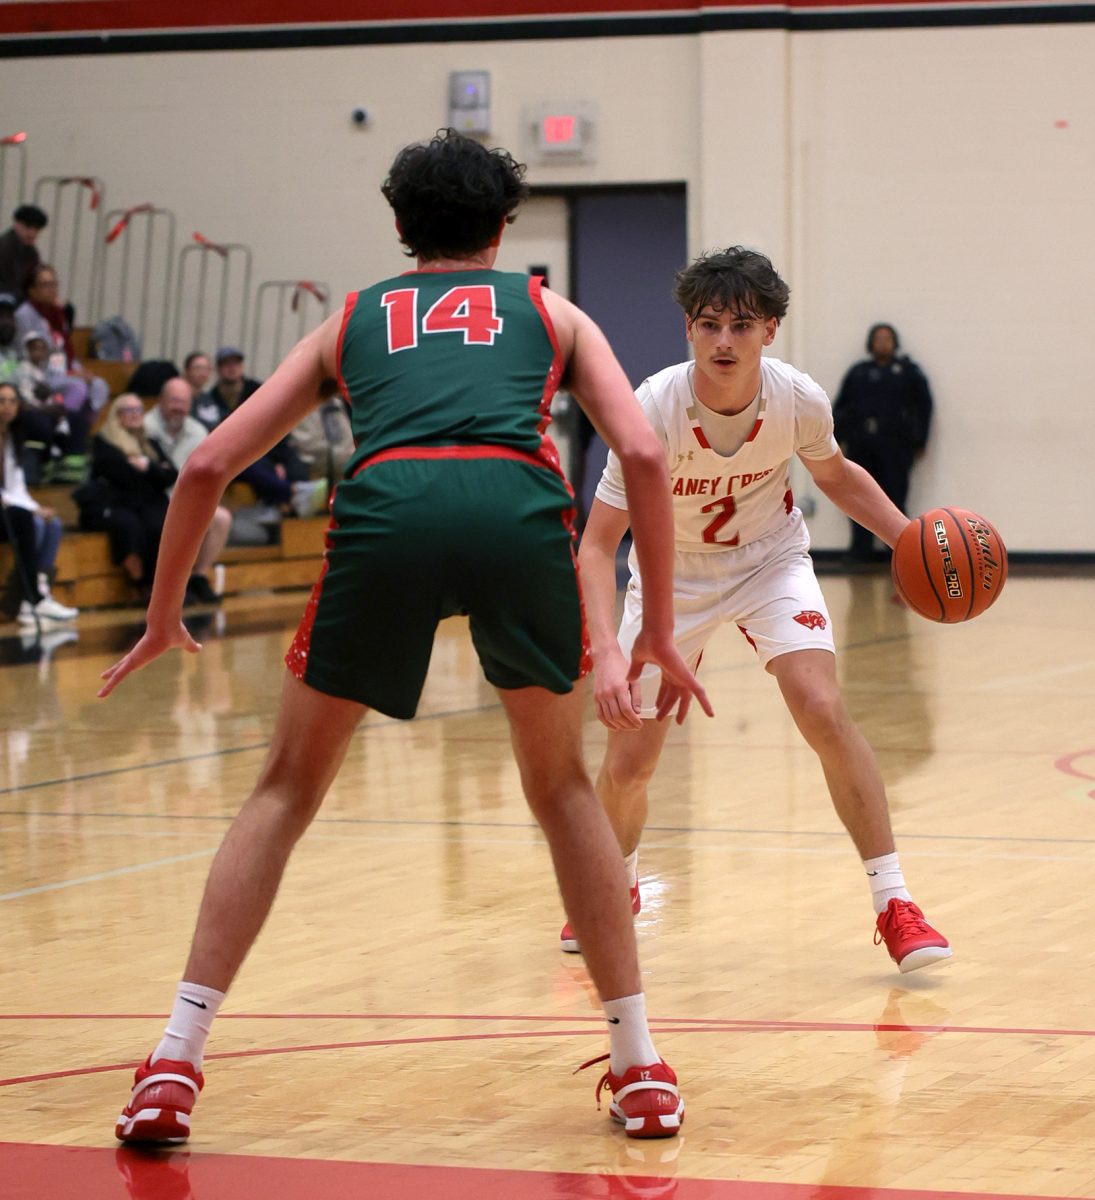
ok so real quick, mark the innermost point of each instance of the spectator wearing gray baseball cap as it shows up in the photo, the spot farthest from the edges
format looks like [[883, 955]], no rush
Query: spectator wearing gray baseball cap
[[279, 479]]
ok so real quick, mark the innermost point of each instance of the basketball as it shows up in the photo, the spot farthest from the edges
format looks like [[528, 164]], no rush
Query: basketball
[[949, 565]]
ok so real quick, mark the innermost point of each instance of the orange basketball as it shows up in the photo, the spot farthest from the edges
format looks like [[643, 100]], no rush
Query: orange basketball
[[949, 565]]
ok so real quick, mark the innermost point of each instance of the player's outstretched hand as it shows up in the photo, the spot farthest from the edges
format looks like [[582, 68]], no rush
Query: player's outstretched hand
[[678, 686], [615, 694], [150, 647]]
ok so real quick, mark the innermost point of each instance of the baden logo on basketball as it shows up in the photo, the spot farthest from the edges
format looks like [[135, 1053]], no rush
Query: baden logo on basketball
[[982, 535], [949, 565]]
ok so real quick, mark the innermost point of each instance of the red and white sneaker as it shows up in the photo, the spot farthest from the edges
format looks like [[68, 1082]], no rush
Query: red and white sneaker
[[911, 941], [159, 1108], [645, 1100], [569, 943]]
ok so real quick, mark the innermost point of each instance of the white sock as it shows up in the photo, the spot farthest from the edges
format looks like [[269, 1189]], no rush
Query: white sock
[[630, 1044], [631, 862], [191, 1019], [887, 882]]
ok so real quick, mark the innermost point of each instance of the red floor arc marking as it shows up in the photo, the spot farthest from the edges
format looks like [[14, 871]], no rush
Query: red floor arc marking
[[33, 1172]]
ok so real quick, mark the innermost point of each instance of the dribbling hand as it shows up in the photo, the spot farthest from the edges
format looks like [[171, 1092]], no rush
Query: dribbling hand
[[616, 695], [149, 648]]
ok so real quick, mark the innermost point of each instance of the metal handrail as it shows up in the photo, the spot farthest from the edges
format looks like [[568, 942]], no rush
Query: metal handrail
[[14, 144], [122, 226], [71, 281], [307, 298], [228, 254]]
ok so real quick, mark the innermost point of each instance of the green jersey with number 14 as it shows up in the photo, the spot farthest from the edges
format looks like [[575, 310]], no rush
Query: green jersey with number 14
[[449, 358]]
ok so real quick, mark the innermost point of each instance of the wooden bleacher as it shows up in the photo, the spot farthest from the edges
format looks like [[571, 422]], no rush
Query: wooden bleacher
[[87, 578]]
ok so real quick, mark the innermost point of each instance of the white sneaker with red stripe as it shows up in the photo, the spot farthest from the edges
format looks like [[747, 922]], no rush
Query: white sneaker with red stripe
[[159, 1108], [569, 942], [645, 1100]]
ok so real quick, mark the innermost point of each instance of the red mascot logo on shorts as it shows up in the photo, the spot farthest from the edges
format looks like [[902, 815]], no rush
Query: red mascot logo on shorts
[[811, 619]]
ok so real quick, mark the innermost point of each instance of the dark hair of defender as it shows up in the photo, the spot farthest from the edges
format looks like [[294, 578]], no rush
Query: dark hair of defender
[[743, 281], [450, 195]]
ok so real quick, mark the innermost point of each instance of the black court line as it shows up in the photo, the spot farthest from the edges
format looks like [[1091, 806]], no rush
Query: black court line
[[450, 823], [170, 762]]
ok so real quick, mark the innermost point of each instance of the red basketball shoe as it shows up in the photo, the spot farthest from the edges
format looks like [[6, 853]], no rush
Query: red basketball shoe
[[911, 941], [569, 943], [159, 1108], [645, 1100]]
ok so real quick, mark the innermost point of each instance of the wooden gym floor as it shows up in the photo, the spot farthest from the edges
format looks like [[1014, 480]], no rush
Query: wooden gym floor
[[406, 1025]]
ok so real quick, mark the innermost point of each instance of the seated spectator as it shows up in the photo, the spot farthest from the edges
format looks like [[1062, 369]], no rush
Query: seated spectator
[[9, 345], [178, 434], [46, 390], [41, 314], [324, 440], [18, 253], [126, 496], [279, 479], [34, 531], [197, 371]]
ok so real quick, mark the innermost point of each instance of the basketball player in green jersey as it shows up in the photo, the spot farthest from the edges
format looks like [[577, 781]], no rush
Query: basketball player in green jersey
[[453, 502]]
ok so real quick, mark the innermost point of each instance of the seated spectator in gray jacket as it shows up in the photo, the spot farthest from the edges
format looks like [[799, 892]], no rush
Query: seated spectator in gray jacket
[[179, 435], [46, 388]]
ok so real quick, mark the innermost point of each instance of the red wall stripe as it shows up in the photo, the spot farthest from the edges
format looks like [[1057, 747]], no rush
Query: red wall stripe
[[82, 16]]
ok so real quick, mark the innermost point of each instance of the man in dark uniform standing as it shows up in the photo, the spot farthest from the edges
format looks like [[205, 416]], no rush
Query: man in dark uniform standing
[[883, 413]]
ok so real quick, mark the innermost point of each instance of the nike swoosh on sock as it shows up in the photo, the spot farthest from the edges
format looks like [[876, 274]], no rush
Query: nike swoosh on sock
[[196, 1003]]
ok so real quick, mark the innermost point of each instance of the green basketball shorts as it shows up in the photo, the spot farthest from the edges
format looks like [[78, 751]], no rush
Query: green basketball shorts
[[424, 533]]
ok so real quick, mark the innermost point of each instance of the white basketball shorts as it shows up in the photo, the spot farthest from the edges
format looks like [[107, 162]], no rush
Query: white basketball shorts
[[767, 588]]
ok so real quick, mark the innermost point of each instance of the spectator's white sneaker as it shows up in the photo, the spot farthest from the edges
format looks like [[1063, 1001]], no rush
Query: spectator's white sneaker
[[46, 609], [309, 498]]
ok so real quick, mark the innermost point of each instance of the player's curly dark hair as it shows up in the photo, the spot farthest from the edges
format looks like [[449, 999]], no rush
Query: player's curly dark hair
[[450, 194], [735, 278]]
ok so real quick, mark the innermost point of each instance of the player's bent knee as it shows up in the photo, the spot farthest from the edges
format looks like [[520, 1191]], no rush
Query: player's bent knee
[[822, 717]]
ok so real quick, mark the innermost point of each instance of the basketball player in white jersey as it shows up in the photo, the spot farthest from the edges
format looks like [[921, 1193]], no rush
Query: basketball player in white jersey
[[730, 421]]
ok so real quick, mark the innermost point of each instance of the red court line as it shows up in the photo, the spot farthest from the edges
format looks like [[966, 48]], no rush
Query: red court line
[[32, 1172], [262, 1052], [680, 1025]]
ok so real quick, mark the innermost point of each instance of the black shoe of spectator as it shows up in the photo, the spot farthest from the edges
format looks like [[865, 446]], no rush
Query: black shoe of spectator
[[199, 587]]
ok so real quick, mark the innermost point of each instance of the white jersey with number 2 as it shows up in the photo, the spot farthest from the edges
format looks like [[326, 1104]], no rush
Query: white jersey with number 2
[[724, 501]]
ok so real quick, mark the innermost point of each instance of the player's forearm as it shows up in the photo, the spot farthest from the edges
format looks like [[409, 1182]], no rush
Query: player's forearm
[[189, 515], [646, 479], [858, 496], [597, 564]]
